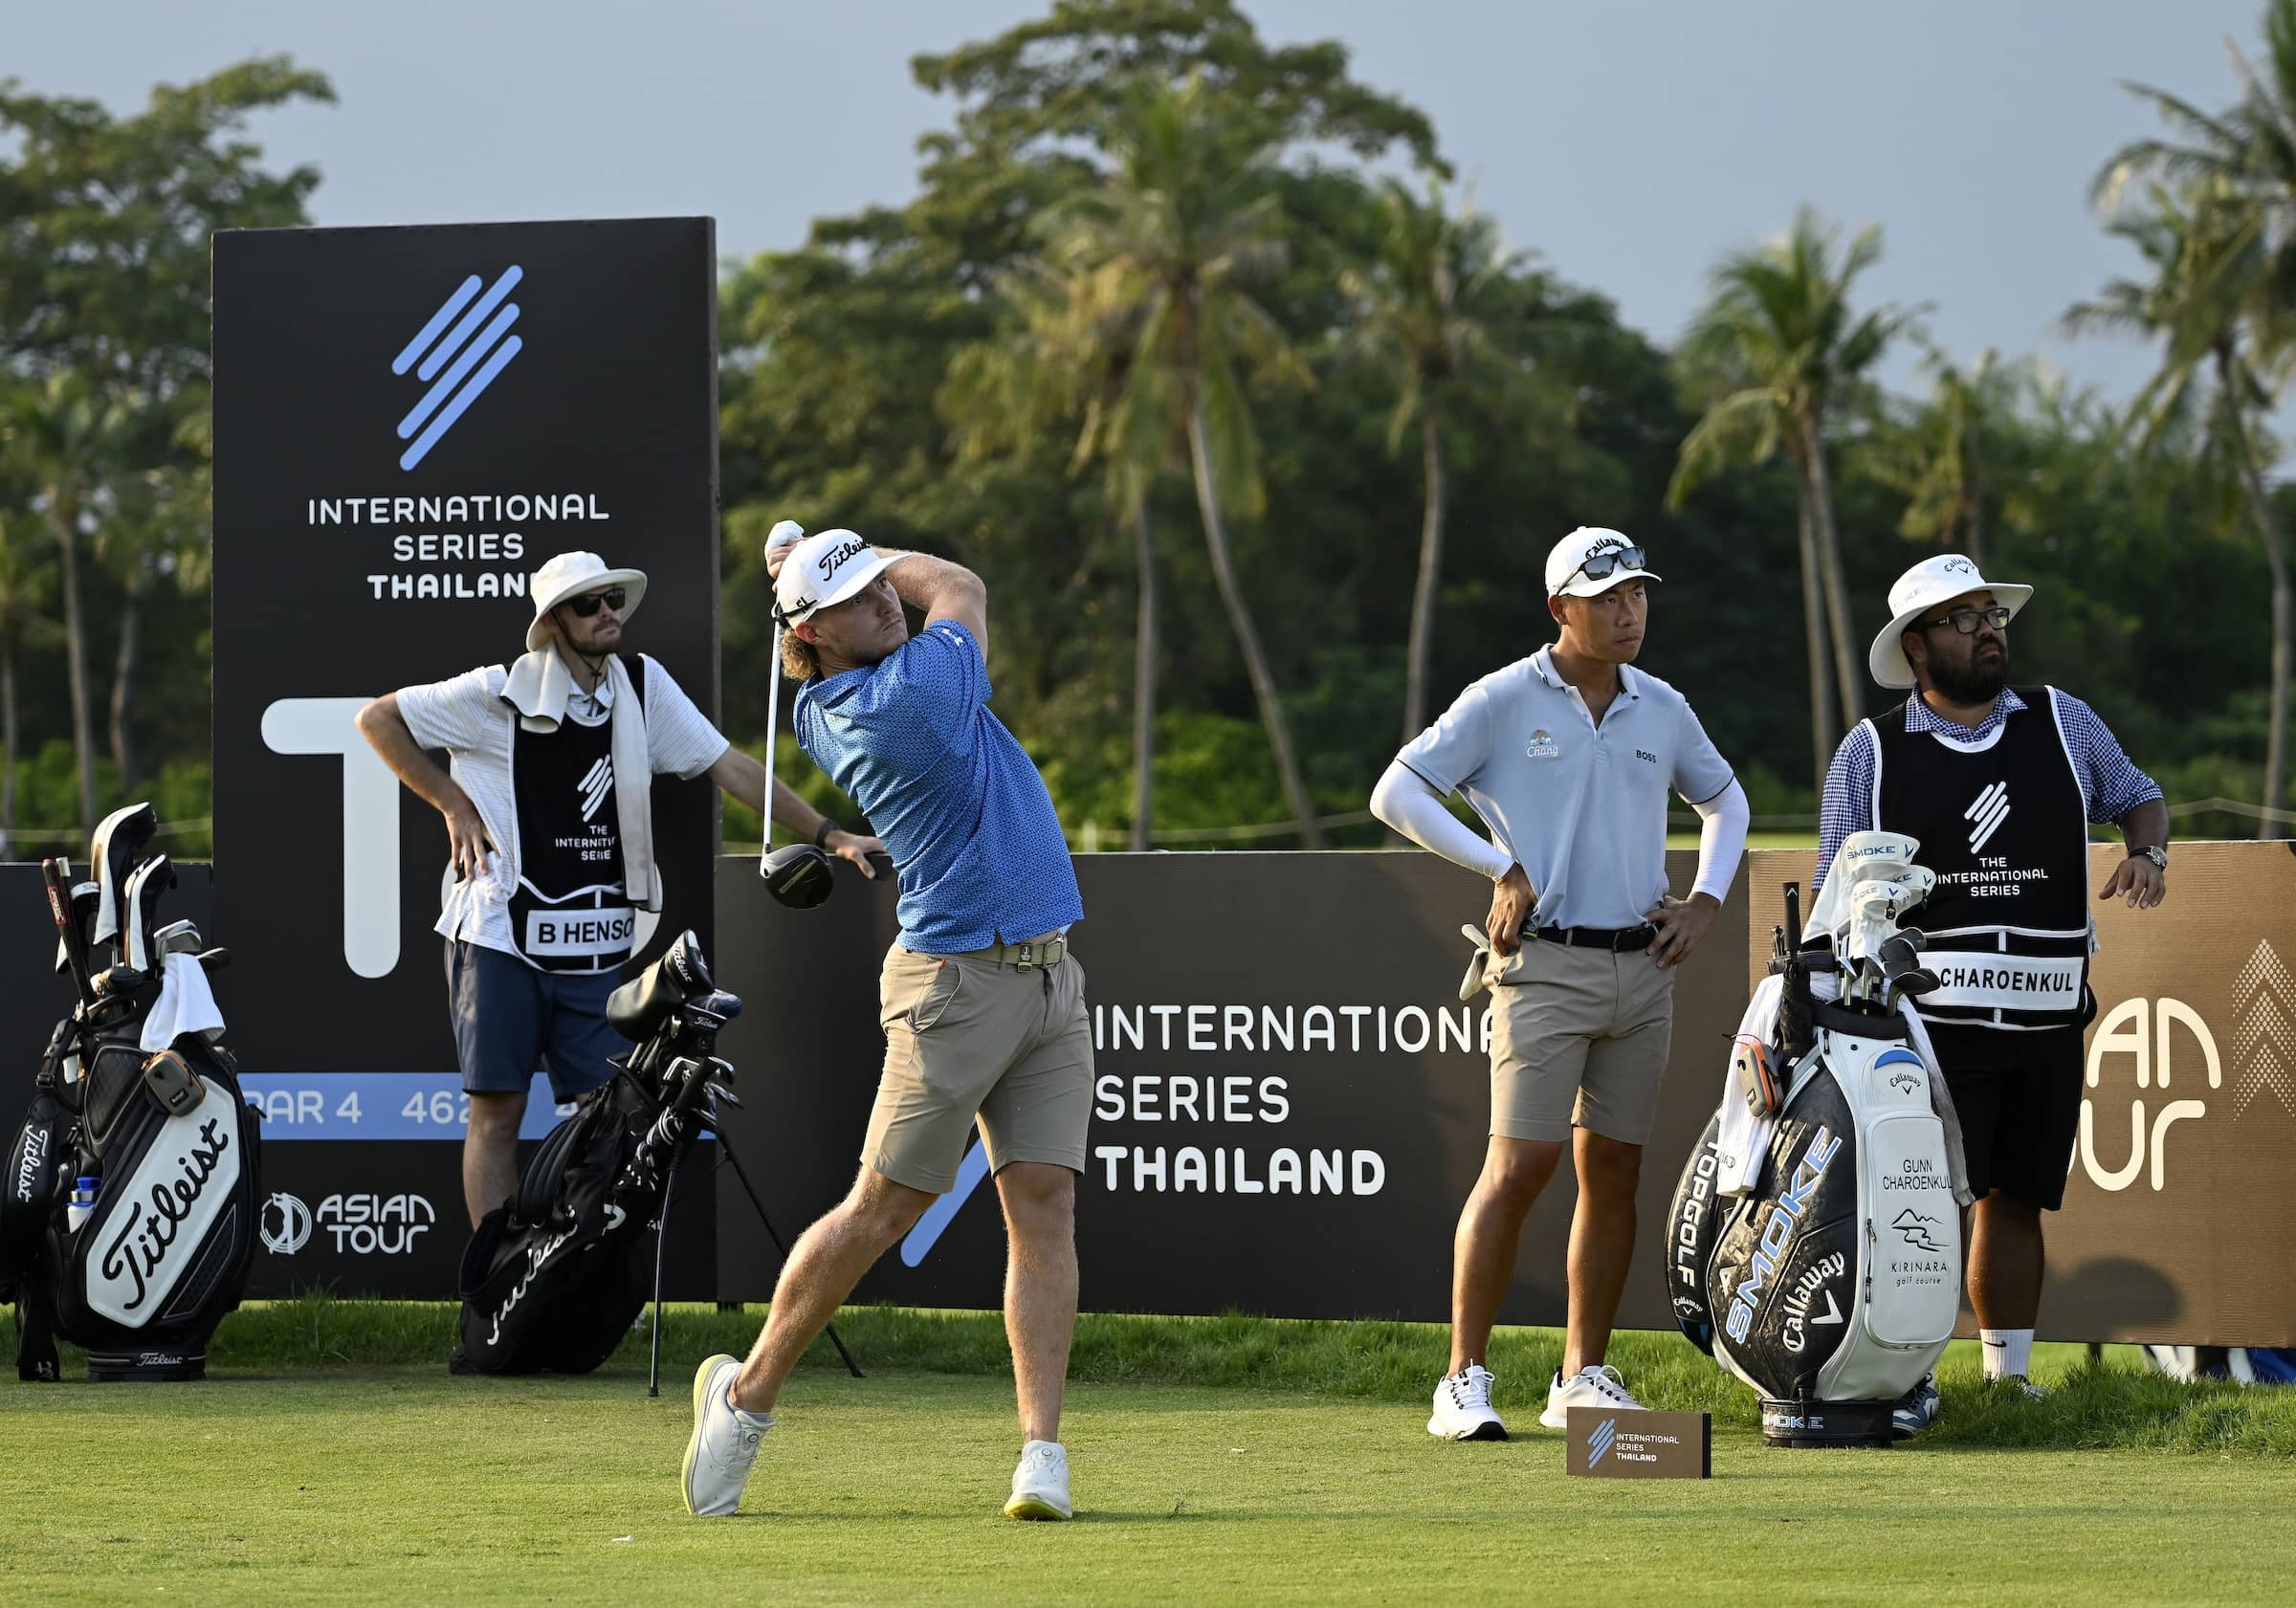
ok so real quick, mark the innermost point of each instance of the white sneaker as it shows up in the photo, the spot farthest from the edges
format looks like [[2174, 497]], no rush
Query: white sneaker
[[1040, 1485], [1462, 1408], [1597, 1386], [724, 1442]]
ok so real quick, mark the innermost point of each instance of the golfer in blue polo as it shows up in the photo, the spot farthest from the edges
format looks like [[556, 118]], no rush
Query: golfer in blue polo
[[981, 1003]]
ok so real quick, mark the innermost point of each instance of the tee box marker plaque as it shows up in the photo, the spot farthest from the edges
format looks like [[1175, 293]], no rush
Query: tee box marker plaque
[[1605, 1444]]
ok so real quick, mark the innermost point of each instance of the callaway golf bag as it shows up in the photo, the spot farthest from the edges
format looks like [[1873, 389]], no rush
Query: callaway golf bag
[[1814, 1243], [134, 1187], [555, 1276]]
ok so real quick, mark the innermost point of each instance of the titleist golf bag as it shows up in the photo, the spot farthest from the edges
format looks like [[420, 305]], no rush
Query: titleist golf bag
[[134, 1187], [1814, 1241], [555, 1276]]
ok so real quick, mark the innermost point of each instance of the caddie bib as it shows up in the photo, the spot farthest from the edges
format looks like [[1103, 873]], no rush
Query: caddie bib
[[2004, 823], [569, 911]]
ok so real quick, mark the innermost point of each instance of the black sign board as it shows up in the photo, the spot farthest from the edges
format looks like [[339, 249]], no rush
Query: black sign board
[[408, 422]]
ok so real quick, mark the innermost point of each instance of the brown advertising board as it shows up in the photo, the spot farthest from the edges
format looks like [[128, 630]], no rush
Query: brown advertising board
[[2171, 1226]]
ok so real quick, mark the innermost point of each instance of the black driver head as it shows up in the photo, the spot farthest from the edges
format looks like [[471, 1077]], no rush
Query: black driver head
[[799, 875]]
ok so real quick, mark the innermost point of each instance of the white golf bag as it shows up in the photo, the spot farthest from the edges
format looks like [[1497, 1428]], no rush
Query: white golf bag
[[1814, 1241]]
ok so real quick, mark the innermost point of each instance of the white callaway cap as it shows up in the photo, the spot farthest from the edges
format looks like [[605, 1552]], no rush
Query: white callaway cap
[[1566, 563], [1923, 587], [824, 570]]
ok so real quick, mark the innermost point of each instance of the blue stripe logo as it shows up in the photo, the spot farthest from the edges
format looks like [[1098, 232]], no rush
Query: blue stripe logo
[[457, 354], [930, 1226], [1606, 1434], [1897, 1058]]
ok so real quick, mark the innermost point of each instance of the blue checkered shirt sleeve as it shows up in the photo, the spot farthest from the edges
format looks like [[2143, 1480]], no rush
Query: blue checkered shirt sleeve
[[1847, 804], [2110, 781]]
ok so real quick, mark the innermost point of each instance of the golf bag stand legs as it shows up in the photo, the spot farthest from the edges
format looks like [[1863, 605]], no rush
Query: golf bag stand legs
[[751, 1190], [661, 1241]]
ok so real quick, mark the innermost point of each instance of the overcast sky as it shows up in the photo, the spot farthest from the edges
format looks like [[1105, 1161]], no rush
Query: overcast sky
[[1628, 145]]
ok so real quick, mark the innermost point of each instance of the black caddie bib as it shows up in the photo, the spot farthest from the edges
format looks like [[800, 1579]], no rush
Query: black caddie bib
[[569, 913], [2004, 823]]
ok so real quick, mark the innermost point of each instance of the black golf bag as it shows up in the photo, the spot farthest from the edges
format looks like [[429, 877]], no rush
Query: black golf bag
[[1833, 1284], [134, 1188], [555, 1276]]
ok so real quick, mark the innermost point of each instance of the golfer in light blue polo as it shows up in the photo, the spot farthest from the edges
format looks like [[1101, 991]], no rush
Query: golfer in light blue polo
[[1569, 757]]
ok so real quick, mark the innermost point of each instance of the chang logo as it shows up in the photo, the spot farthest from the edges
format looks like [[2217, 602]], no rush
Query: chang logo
[[457, 355]]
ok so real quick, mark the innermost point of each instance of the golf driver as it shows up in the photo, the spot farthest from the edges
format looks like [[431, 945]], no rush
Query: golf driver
[[798, 875]]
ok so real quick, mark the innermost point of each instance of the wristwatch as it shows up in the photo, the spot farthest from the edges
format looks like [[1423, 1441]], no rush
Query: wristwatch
[[2153, 852], [821, 833]]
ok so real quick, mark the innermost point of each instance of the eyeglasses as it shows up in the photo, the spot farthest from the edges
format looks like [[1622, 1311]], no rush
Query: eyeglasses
[[586, 605], [1967, 620], [1597, 566]]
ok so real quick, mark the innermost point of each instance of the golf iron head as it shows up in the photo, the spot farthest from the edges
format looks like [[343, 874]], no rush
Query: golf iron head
[[798, 875]]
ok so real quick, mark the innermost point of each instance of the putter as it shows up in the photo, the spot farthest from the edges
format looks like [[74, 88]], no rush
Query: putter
[[797, 874]]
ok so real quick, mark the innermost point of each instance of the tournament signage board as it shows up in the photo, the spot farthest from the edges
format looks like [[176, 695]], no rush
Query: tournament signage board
[[408, 421], [1606, 1444], [1290, 1101]]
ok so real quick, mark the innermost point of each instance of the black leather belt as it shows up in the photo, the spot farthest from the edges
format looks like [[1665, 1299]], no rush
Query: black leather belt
[[1620, 940]]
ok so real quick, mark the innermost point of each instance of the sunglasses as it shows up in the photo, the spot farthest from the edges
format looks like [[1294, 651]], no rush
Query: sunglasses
[[1601, 565], [586, 605], [1967, 620]]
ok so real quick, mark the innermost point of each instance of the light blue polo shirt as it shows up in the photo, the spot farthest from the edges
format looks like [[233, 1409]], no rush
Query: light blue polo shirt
[[977, 848], [1583, 811]]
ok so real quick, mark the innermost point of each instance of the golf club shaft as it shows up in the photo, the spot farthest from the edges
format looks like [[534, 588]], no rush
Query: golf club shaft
[[773, 722]]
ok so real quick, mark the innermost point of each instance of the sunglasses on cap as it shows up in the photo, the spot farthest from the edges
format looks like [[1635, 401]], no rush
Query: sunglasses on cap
[[1597, 566], [586, 605]]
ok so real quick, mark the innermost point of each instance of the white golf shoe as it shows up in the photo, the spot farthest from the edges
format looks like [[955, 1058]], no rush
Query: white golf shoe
[[1040, 1485], [1462, 1408], [1596, 1386], [724, 1442]]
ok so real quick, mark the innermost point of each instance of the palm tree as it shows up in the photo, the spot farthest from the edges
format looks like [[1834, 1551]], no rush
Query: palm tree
[[2204, 297], [1780, 353], [1938, 460], [1425, 305], [62, 438], [1185, 221], [25, 583], [1065, 364]]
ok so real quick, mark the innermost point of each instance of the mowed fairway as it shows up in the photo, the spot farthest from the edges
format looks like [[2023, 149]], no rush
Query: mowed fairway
[[359, 1484]]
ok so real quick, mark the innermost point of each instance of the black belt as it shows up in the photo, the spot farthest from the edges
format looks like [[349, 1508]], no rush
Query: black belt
[[1620, 940]]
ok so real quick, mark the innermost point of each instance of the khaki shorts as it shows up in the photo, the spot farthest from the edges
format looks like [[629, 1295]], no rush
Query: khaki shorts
[[1577, 1036], [968, 1037]]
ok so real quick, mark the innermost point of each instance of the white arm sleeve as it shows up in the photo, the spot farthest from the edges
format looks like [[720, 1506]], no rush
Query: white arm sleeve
[[1721, 840], [1404, 801]]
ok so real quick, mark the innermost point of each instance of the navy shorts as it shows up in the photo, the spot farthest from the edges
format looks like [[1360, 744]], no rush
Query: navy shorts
[[512, 1020], [2019, 1098]]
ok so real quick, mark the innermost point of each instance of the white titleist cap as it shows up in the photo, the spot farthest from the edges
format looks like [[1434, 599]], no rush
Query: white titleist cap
[[1593, 548], [824, 570]]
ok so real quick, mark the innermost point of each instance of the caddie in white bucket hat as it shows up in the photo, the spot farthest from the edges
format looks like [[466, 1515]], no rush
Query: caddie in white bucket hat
[[547, 795], [1942, 584], [1999, 786], [570, 576]]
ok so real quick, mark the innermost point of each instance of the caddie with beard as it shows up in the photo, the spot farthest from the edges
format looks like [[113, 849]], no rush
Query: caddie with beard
[[547, 799], [982, 1005], [1998, 784]]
